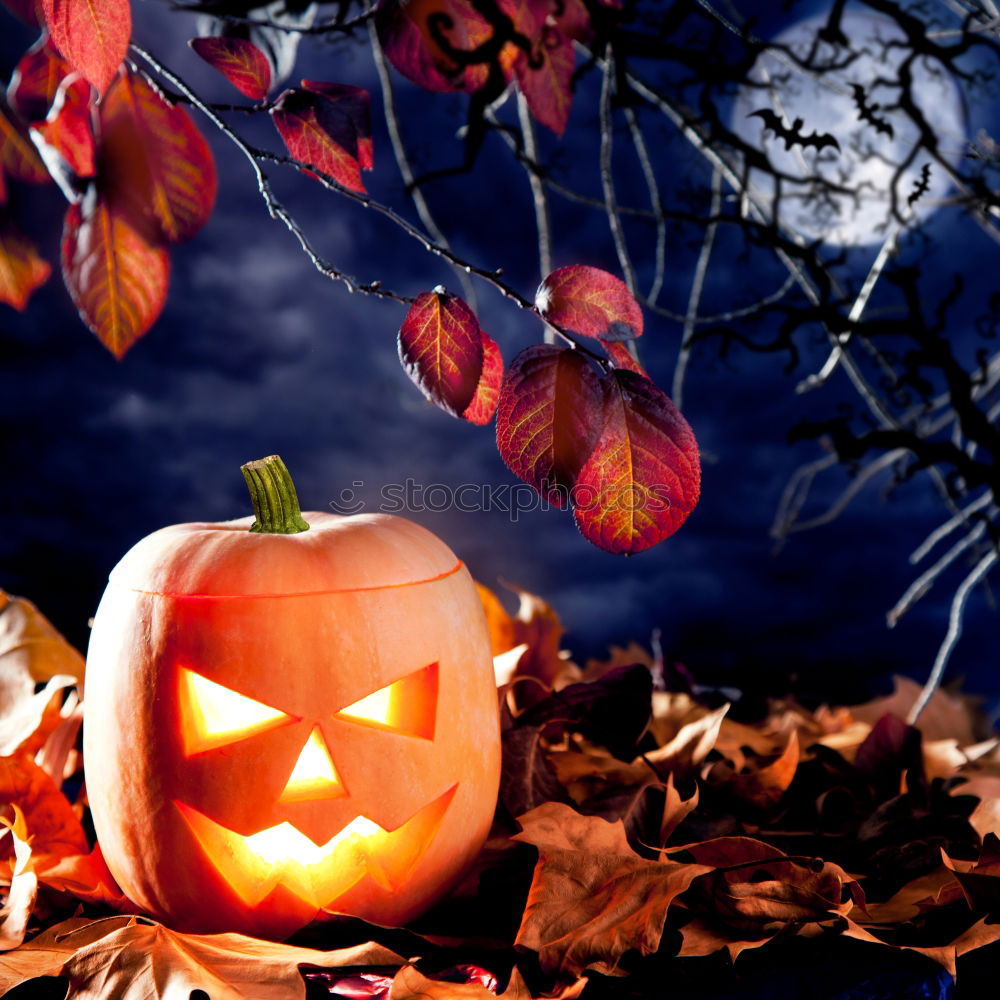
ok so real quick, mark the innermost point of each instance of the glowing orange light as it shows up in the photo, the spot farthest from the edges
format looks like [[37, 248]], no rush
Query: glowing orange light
[[406, 706], [254, 865], [213, 715], [314, 775]]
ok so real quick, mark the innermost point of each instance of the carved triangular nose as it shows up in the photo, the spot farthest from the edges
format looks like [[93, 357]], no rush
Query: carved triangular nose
[[314, 776]]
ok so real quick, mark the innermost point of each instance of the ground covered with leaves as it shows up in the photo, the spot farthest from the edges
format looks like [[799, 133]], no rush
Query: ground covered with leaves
[[646, 843]]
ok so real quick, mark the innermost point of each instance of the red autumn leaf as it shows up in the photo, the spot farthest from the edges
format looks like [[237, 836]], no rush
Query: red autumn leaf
[[418, 34], [117, 278], [18, 157], [548, 418], [239, 61], [643, 478], [619, 353], [441, 347], [545, 78], [155, 163], [22, 270], [484, 403], [356, 104], [93, 35], [68, 132], [322, 133], [591, 302], [36, 79]]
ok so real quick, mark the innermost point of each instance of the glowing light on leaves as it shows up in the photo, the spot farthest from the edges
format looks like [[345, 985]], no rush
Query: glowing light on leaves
[[214, 715], [591, 302], [117, 278], [329, 128], [22, 270], [453, 362], [93, 35], [548, 418], [239, 61]]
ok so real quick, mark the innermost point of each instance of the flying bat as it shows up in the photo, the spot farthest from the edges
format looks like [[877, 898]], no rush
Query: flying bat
[[794, 135], [866, 111], [921, 186]]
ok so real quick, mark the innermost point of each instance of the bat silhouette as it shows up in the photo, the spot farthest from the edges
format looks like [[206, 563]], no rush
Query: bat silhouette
[[866, 111], [921, 186], [794, 135]]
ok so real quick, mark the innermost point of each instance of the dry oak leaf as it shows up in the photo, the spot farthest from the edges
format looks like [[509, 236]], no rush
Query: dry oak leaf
[[134, 958], [31, 650], [52, 825], [592, 897], [755, 891]]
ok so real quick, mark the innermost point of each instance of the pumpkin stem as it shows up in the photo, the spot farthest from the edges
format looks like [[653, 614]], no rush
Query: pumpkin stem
[[272, 493]]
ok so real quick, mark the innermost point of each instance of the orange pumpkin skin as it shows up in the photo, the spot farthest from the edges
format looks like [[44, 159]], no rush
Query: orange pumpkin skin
[[385, 807]]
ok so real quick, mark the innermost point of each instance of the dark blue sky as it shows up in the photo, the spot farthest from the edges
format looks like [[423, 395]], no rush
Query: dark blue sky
[[256, 353]]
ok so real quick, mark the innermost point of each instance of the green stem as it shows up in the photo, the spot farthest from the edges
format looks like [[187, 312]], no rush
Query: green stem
[[272, 493]]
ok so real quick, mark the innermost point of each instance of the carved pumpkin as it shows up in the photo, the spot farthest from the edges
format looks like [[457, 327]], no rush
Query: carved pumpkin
[[282, 723]]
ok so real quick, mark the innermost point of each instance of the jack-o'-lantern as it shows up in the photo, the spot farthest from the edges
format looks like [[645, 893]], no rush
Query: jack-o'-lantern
[[290, 719]]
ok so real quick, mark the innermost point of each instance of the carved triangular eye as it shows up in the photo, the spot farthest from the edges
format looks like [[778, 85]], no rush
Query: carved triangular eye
[[213, 715], [407, 706]]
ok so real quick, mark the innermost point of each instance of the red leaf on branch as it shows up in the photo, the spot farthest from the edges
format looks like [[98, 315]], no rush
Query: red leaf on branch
[[442, 350], [591, 302], [619, 354], [356, 103], [643, 478], [68, 132], [484, 403], [155, 164], [239, 61], [323, 132], [548, 419], [117, 278], [545, 78], [93, 35], [418, 34], [22, 270], [36, 79], [18, 157]]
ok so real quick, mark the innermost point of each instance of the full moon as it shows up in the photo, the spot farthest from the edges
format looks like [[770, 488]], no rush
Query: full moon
[[864, 75]]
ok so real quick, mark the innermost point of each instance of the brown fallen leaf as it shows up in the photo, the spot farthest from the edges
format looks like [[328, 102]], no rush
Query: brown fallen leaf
[[31, 650], [52, 824], [592, 897], [675, 810], [132, 958], [754, 891], [760, 785], [684, 731], [498, 622], [986, 816], [32, 719], [84, 876], [946, 716]]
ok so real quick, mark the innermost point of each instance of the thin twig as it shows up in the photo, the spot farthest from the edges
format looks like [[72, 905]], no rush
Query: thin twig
[[955, 620]]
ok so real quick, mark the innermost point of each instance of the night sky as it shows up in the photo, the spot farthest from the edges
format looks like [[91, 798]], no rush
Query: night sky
[[257, 353]]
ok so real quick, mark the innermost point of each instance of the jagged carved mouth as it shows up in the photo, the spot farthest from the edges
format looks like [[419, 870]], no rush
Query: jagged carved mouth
[[255, 865]]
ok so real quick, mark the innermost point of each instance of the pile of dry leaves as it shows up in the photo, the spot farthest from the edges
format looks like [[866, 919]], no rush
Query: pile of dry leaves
[[639, 828]]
